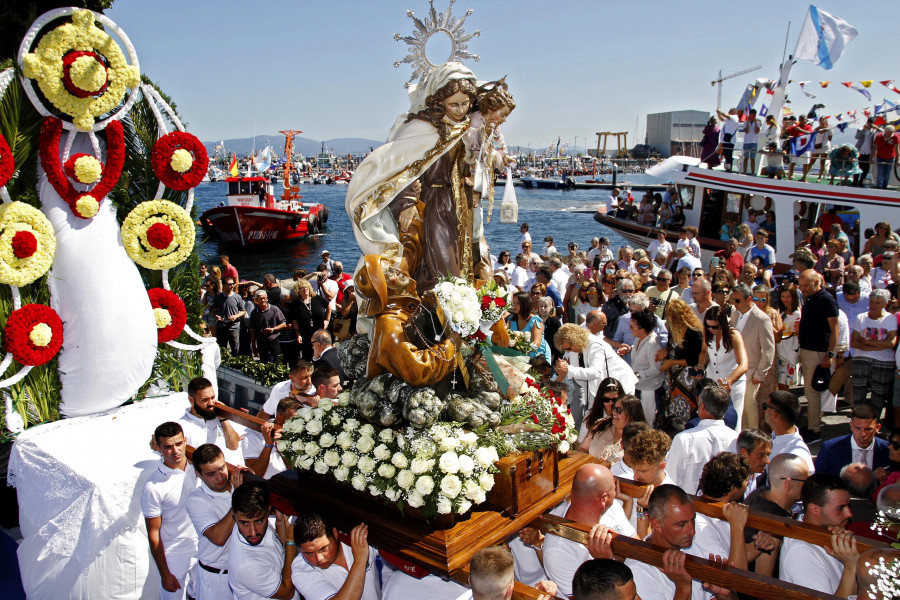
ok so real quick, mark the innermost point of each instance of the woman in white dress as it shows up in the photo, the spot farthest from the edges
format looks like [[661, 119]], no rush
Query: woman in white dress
[[602, 437], [788, 349], [724, 357], [644, 360]]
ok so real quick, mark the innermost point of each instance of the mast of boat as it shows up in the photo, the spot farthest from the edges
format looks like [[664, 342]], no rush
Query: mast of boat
[[291, 192]]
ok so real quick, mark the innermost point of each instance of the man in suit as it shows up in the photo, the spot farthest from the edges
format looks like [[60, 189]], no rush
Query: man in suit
[[326, 354], [759, 341], [859, 446]]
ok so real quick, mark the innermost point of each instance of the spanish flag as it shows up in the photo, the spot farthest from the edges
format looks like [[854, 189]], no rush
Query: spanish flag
[[233, 166]]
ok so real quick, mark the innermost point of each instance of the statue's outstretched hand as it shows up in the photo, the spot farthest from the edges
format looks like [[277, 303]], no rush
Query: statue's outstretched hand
[[407, 216]]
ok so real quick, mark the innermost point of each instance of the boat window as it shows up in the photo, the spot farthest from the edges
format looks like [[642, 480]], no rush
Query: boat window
[[687, 196], [711, 213], [232, 188], [245, 187], [733, 203]]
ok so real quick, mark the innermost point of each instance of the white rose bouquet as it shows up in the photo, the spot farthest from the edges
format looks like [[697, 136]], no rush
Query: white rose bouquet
[[442, 469], [460, 305]]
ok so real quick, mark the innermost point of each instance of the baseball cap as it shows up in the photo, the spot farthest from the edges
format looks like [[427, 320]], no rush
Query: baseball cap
[[324, 252]]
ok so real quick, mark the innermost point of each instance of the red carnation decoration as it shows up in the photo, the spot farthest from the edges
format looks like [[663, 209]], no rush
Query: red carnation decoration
[[166, 300], [7, 162], [69, 59], [159, 235], [24, 244], [51, 131], [161, 159], [17, 334]]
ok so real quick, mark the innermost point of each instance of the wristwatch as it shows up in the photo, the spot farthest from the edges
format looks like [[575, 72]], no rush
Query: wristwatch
[[829, 354]]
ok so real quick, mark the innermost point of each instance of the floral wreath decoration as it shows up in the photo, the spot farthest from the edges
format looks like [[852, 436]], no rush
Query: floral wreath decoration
[[179, 160], [33, 334], [7, 162], [83, 204], [27, 244], [170, 314], [158, 234], [78, 67]]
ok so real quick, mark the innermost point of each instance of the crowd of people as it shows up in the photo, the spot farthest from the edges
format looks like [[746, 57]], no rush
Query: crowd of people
[[800, 142], [683, 377]]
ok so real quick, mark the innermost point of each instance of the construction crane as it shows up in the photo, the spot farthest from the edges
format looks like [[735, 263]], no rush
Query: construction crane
[[721, 79]]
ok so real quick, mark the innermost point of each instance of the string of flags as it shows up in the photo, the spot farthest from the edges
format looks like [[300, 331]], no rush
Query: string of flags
[[880, 111]]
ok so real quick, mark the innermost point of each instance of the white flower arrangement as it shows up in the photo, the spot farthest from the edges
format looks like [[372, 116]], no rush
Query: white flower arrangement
[[440, 470], [459, 302]]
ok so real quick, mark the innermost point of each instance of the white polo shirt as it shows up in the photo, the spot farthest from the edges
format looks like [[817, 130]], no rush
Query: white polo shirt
[[254, 572], [401, 586], [199, 431], [206, 508], [652, 584], [165, 495], [320, 584], [810, 566], [792, 443], [692, 448], [711, 536], [562, 557], [281, 390]]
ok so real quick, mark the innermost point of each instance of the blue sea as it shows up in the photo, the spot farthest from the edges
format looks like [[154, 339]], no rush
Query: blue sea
[[548, 212]]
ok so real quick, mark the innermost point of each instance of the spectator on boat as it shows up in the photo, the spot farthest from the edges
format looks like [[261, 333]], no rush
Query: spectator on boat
[[591, 502], [646, 214], [844, 163], [774, 166], [678, 218], [660, 244], [821, 147], [728, 136], [885, 146], [173, 541], [803, 127], [751, 129], [724, 357], [865, 143], [709, 144]]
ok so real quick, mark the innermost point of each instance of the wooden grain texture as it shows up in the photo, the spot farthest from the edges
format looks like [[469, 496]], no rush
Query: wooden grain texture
[[738, 580], [782, 526]]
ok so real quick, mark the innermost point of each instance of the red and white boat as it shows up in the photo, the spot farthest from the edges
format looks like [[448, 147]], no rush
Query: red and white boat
[[252, 214]]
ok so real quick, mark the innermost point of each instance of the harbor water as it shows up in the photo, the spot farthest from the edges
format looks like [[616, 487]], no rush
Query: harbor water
[[567, 215]]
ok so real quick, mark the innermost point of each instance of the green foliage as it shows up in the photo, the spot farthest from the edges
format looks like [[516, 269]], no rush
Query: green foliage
[[267, 374]]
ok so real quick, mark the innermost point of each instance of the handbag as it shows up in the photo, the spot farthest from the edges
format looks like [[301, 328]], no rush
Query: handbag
[[509, 208]]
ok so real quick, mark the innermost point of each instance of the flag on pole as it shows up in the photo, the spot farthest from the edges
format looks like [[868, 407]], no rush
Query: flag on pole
[[802, 143], [233, 166], [823, 37]]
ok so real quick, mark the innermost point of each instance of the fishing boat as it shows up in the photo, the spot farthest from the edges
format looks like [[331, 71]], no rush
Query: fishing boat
[[711, 197], [252, 215]]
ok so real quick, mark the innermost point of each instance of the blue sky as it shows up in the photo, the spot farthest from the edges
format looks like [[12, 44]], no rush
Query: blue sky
[[575, 67]]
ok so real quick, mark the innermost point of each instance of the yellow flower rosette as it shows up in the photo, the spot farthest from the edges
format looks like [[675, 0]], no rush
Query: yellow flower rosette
[[81, 70], [27, 244], [158, 234]]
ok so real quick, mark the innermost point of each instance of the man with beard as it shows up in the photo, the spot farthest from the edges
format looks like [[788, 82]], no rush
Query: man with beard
[[259, 559], [209, 508], [827, 503], [201, 425], [173, 542]]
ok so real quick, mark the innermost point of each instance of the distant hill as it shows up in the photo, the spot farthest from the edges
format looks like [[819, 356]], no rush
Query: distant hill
[[306, 146]]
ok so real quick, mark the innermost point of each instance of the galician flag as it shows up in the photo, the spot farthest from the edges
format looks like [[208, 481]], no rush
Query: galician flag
[[823, 37], [233, 166]]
